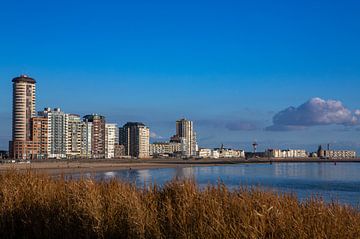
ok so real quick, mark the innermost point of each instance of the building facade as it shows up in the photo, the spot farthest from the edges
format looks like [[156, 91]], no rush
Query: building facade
[[23, 110], [119, 151], [97, 135], [337, 154], [57, 132], [39, 137], [230, 153], [86, 138], [165, 148], [185, 130], [74, 135], [135, 137], [286, 153], [111, 139]]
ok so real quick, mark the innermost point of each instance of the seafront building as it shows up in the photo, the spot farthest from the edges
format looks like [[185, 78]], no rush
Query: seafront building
[[165, 148], [287, 153], [23, 110], [97, 135], [111, 139], [135, 137], [39, 137], [74, 135], [187, 136], [230, 153], [206, 153], [57, 132], [337, 154], [86, 139]]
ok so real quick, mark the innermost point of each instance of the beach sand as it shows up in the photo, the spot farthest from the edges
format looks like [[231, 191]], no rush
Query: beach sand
[[93, 166]]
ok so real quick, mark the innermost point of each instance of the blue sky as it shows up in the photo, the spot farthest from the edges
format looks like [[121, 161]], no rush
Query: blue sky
[[230, 66]]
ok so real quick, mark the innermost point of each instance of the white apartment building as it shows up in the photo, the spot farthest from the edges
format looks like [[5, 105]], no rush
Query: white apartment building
[[231, 153], [205, 153], [57, 132], [185, 130], [288, 153], [338, 154], [158, 148], [144, 142], [111, 139]]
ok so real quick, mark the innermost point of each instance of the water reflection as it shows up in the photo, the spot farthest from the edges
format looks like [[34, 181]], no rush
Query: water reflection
[[340, 182]]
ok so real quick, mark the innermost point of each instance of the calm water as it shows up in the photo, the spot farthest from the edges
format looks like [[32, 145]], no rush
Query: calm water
[[339, 182]]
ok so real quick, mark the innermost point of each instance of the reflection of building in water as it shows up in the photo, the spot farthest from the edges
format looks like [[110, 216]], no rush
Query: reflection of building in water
[[144, 174], [291, 170], [316, 171], [184, 173]]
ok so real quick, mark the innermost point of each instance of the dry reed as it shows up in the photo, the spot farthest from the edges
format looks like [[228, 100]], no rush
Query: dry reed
[[38, 206]]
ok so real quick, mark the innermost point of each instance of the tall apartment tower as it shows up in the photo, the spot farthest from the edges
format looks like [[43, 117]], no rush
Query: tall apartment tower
[[86, 137], [74, 131], [22, 112], [39, 137], [185, 131], [111, 139], [97, 135], [135, 137], [57, 132]]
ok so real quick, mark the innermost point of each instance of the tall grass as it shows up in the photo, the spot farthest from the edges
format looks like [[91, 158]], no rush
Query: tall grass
[[38, 206]]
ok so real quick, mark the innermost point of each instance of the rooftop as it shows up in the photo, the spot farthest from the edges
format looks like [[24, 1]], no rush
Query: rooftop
[[24, 78]]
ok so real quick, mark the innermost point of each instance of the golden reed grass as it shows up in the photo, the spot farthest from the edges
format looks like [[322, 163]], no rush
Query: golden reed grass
[[38, 206]]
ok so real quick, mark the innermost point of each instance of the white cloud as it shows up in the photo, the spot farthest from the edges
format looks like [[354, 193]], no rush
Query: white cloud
[[314, 112], [153, 135]]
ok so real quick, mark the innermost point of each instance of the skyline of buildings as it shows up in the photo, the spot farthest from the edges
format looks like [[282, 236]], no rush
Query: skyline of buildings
[[56, 134]]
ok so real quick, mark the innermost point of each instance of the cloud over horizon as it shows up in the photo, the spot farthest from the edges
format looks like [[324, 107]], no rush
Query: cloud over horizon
[[314, 112]]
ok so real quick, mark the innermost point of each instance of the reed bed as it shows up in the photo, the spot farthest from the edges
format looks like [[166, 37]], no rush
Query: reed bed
[[38, 206]]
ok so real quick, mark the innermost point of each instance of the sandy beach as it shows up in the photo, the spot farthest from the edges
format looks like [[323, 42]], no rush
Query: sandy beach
[[93, 166]]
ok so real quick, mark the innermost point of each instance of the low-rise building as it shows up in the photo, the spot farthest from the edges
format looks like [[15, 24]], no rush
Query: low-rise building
[[287, 153], [337, 154], [205, 153], [163, 148], [230, 153]]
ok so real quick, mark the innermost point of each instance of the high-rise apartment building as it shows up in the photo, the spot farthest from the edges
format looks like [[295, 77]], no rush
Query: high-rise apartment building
[[86, 138], [135, 137], [74, 134], [57, 132], [111, 139], [22, 112], [185, 131], [39, 137], [97, 135]]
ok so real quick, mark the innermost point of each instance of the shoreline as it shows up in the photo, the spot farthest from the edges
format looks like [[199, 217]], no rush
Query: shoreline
[[93, 166]]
